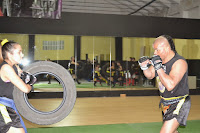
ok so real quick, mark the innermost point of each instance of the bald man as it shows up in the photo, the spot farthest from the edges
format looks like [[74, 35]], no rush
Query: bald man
[[171, 73]]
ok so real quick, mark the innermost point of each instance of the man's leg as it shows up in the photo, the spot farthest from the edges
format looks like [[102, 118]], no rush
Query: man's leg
[[170, 126]]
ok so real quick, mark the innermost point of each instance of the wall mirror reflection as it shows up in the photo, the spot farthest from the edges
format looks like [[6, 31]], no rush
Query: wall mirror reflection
[[99, 63]]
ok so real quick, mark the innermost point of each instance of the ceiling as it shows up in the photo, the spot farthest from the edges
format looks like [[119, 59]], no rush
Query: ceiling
[[160, 8]]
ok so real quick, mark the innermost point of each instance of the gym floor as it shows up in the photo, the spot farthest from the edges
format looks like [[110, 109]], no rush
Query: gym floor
[[111, 110]]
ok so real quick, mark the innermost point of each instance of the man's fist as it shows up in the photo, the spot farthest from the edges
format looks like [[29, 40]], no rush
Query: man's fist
[[156, 61], [28, 78], [143, 66]]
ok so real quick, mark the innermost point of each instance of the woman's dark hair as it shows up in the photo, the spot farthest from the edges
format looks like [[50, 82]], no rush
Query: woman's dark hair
[[7, 47], [171, 42]]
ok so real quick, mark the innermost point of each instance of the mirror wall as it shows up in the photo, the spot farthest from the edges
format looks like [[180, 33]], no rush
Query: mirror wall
[[92, 63]]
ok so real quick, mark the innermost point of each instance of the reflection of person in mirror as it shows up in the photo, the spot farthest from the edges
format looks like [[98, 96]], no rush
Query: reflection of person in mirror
[[171, 72], [10, 120], [112, 72], [97, 75], [88, 69], [1, 5], [48, 75], [72, 67], [131, 69], [51, 77], [1, 13], [119, 73]]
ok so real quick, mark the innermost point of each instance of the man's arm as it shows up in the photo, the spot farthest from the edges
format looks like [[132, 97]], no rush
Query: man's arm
[[149, 71], [177, 72]]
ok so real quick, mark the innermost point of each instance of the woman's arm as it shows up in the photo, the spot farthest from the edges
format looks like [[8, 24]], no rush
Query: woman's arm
[[8, 73]]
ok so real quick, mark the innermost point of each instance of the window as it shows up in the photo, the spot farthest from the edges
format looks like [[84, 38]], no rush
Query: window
[[53, 45]]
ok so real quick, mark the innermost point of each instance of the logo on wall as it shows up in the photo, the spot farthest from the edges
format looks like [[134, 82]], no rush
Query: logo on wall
[[31, 8]]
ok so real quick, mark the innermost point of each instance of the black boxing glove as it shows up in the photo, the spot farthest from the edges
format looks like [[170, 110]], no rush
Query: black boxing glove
[[156, 61], [141, 60], [28, 78]]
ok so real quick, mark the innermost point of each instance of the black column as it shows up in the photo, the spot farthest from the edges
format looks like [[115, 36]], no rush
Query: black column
[[118, 48], [31, 49], [77, 47]]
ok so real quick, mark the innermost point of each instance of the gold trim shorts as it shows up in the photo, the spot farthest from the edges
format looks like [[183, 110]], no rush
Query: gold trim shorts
[[8, 118], [179, 110]]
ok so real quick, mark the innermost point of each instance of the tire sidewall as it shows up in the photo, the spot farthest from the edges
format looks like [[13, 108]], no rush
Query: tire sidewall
[[68, 99]]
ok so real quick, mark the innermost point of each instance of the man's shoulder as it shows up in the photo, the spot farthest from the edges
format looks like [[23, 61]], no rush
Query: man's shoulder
[[179, 56]]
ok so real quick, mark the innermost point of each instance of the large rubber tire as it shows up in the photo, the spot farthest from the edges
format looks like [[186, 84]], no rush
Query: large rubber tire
[[69, 95]]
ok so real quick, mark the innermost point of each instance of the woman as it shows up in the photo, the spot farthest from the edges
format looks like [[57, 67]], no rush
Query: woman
[[10, 120], [72, 68]]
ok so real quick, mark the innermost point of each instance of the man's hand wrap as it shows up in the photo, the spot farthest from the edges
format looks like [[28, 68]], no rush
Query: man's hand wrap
[[156, 62], [141, 60], [28, 78]]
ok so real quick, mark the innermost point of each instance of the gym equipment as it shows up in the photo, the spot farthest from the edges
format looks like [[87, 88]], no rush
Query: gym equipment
[[68, 101]]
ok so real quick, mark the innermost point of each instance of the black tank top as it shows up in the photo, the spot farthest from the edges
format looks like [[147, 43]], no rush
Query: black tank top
[[6, 88], [72, 66], [181, 88]]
